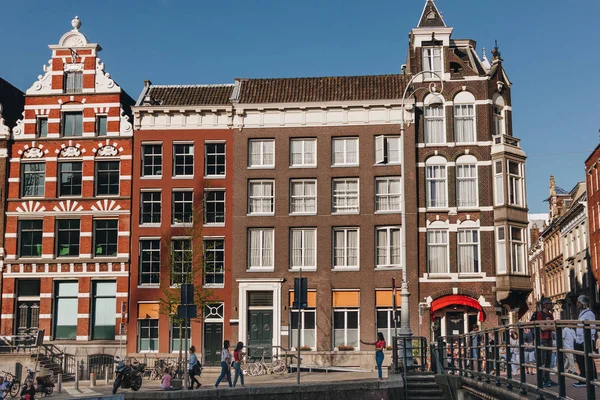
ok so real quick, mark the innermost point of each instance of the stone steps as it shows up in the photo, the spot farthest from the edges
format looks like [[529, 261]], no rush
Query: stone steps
[[422, 386]]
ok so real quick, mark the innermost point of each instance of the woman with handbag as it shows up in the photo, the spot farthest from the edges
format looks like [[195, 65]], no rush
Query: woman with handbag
[[225, 364], [194, 368]]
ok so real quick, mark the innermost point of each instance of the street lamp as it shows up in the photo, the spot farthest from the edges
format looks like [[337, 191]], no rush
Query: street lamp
[[405, 331]]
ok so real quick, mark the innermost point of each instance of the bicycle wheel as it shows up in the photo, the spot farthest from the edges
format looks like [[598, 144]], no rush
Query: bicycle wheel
[[14, 389], [279, 367]]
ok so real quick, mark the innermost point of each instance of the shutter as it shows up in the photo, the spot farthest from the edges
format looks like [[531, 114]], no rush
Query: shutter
[[379, 149]]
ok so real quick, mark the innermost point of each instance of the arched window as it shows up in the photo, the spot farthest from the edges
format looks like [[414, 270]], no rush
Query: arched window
[[498, 114], [464, 118], [466, 182], [434, 119], [436, 178]]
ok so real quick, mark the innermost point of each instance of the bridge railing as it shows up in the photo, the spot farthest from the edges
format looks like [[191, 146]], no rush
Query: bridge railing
[[502, 355]]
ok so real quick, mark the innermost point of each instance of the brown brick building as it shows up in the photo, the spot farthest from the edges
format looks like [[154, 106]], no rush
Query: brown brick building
[[68, 207]]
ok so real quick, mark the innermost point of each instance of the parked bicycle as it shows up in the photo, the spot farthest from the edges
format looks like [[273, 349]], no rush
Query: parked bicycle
[[278, 366], [12, 385]]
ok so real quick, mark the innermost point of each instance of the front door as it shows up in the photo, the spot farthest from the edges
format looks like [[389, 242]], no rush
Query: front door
[[455, 323], [28, 317], [213, 342], [260, 333]]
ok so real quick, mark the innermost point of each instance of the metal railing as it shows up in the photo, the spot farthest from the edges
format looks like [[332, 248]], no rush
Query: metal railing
[[505, 354]]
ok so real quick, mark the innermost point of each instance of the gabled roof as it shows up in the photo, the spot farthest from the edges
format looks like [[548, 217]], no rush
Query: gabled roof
[[321, 89], [431, 16], [186, 95]]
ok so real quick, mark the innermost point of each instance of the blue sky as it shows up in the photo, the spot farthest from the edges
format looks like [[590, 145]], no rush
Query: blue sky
[[549, 47]]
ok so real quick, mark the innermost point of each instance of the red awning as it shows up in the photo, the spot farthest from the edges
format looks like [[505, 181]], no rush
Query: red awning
[[456, 300]]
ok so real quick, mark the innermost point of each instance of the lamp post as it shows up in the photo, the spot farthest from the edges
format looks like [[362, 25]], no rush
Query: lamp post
[[405, 332]]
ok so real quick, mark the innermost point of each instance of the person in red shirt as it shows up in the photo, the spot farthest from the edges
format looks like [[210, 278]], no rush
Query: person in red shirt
[[546, 338], [379, 348], [237, 363]]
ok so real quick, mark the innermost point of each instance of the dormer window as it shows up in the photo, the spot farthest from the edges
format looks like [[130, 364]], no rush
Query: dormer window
[[432, 61], [73, 82]]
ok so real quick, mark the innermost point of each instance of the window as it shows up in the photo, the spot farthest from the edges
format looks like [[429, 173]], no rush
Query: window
[[30, 238], [214, 207], [498, 183], [104, 310], [517, 244], [148, 327], [151, 159], [436, 185], [308, 333], [345, 151], [261, 153], [432, 61], [150, 207], [72, 124], [41, 127], [500, 250], [107, 178], [149, 262], [468, 251], [214, 262], [498, 115], [73, 82], [515, 183], [303, 193], [345, 327], [387, 194], [182, 207], [260, 249], [33, 178], [183, 160], [385, 322], [434, 124], [181, 261], [345, 248], [67, 237], [303, 248], [437, 252], [65, 315], [303, 152], [466, 185], [101, 125], [215, 159], [387, 150], [345, 196], [388, 252], [105, 237], [261, 197], [178, 335], [464, 123], [70, 179]]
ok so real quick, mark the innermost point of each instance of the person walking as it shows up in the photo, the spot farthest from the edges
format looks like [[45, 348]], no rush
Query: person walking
[[585, 314], [568, 344], [225, 364], [545, 338], [529, 353], [193, 368], [474, 346], [514, 353], [237, 363], [379, 347]]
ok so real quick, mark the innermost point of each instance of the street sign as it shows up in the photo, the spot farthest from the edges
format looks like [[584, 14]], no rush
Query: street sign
[[300, 293], [187, 311], [187, 293]]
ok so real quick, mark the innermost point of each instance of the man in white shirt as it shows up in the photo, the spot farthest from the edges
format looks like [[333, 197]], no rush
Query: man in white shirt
[[585, 314], [569, 344]]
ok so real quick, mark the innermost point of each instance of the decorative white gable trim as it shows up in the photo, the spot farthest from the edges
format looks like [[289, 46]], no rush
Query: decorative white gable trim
[[33, 151], [4, 130], [106, 205], [68, 206], [70, 150], [44, 82], [104, 83], [31, 207], [18, 129], [106, 149], [125, 127]]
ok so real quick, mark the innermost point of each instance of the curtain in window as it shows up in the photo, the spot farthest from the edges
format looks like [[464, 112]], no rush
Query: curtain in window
[[255, 152], [267, 248], [268, 152], [464, 123], [437, 252], [466, 180], [296, 149], [382, 247], [338, 151], [338, 249], [352, 248], [297, 248], [309, 248], [255, 249], [501, 251], [468, 250], [436, 186], [395, 255], [393, 150], [73, 124], [351, 151], [432, 61], [310, 147], [434, 124]]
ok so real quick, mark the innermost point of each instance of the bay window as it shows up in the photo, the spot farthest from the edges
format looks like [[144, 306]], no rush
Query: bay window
[[515, 183], [500, 250], [517, 250]]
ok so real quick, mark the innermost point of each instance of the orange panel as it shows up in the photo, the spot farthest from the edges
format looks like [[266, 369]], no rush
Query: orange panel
[[312, 299], [148, 310], [383, 298], [345, 299]]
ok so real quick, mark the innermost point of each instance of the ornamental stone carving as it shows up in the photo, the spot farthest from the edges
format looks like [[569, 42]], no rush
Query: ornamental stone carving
[[104, 83], [125, 127], [33, 152], [70, 151], [107, 151], [18, 129], [73, 38], [44, 82], [4, 130]]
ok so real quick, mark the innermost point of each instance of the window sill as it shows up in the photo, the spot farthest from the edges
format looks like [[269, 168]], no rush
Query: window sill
[[182, 225], [104, 196], [344, 165], [213, 286], [443, 275], [215, 177], [388, 212], [345, 269], [261, 269], [303, 213], [389, 164], [468, 208], [390, 268], [304, 269], [150, 225], [157, 286], [261, 167], [182, 177], [435, 144], [75, 196], [303, 166], [345, 213], [465, 143], [441, 208], [260, 214], [214, 225], [150, 177]]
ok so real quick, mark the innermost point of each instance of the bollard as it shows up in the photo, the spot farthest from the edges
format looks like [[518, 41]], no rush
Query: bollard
[[92, 379], [76, 378], [59, 383], [106, 374]]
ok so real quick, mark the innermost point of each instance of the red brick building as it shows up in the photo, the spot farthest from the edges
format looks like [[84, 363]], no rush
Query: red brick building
[[181, 215], [68, 206], [592, 182]]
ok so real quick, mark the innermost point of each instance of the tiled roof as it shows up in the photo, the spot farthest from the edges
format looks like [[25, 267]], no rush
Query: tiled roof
[[321, 89], [190, 95]]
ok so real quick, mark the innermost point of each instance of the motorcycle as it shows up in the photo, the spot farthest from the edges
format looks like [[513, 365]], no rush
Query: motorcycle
[[128, 376], [43, 382]]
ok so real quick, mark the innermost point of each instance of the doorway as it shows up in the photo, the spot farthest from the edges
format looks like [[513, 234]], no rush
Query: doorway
[[260, 333], [455, 323], [213, 341]]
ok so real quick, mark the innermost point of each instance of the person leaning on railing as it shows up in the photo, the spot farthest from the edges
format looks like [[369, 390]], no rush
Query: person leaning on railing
[[585, 314], [546, 339]]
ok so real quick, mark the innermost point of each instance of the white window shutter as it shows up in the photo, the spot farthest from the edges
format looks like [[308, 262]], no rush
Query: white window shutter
[[379, 149]]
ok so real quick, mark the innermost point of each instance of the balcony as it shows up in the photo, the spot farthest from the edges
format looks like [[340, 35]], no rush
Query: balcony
[[507, 144]]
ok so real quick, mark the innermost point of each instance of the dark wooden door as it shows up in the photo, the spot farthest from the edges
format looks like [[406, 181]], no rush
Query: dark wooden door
[[455, 323], [260, 333], [213, 343]]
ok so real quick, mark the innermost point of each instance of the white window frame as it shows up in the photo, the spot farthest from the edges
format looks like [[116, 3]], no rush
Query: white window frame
[[173, 201], [469, 243], [262, 154], [516, 247], [345, 310], [139, 338], [389, 331], [388, 198], [436, 163], [206, 201], [516, 192], [498, 183], [207, 154], [303, 330], [303, 154], [387, 247], [429, 57], [151, 202], [214, 251], [302, 199], [434, 103], [141, 264], [498, 111], [468, 164], [306, 264], [264, 246], [501, 250], [172, 335], [443, 243], [345, 250], [345, 161], [385, 147], [342, 197], [467, 113], [151, 157], [175, 155], [261, 199]]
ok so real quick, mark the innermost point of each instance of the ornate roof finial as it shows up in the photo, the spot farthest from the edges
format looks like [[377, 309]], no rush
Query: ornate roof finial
[[76, 23], [496, 55]]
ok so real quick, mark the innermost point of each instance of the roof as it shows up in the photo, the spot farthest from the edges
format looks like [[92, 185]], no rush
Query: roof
[[431, 16], [186, 95], [321, 89]]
